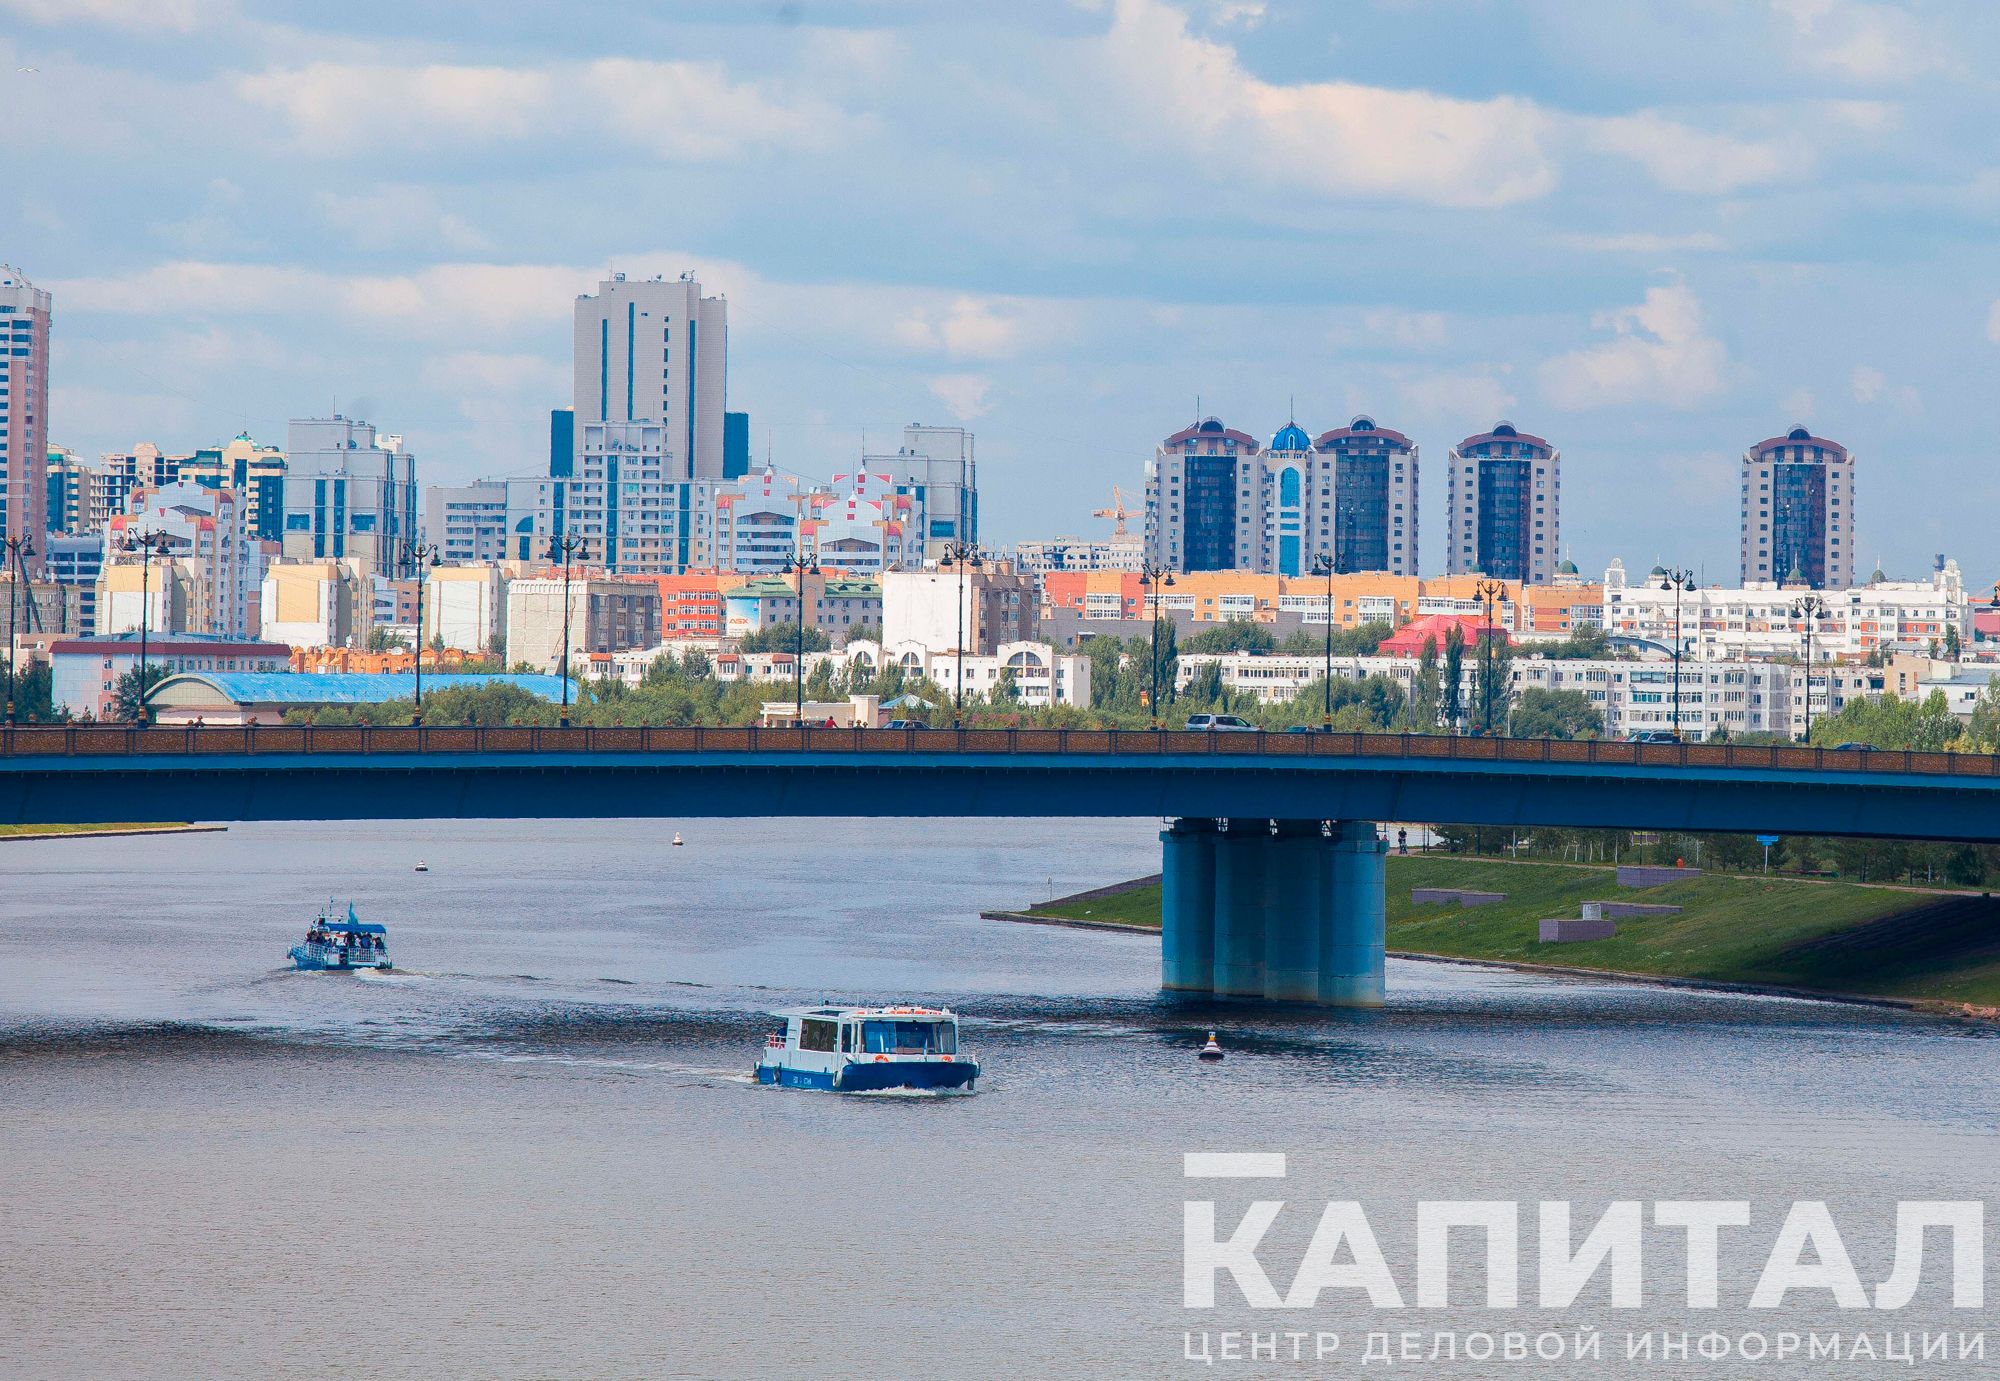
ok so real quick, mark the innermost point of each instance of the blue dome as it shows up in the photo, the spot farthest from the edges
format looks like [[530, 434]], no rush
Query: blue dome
[[1291, 437]]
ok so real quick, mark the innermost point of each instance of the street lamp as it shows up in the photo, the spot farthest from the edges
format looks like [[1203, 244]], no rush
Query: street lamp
[[1154, 577], [1677, 580], [798, 565], [1807, 609], [1324, 564], [19, 549], [422, 556], [563, 548], [1487, 591], [151, 543], [964, 556]]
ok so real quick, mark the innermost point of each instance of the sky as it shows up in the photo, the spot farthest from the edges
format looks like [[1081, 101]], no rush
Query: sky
[[1652, 231]]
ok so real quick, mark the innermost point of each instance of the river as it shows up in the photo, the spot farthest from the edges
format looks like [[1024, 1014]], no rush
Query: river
[[534, 1151]]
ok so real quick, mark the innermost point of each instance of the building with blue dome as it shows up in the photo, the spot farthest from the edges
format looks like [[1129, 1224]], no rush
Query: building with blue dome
[[1216, 500]]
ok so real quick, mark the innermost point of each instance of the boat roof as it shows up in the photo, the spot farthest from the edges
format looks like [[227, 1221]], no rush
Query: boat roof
[[836, 1013], [355, 927]]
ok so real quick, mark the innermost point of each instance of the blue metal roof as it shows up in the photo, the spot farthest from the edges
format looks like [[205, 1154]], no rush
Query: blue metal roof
[[355, 927], [350, 687]]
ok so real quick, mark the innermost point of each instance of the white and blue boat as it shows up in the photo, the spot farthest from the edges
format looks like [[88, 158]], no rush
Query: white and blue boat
[[342, 945], [867, 1050]]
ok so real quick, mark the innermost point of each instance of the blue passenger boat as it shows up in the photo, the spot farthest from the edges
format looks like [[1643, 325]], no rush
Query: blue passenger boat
[[867, 1050], [333, 943]]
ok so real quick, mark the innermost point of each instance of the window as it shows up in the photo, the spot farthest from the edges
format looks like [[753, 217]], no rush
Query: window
[[817, 1035], [909, 1038]]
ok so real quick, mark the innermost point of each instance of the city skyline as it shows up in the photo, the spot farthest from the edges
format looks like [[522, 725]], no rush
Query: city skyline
[[1667, 270]]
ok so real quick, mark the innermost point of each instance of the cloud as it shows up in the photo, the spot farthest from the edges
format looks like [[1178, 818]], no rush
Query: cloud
[[1660, 355], [969, 327], [1480, 397], [487, 384], [132, 16], [398, 217], [1867, 383], [1682, 159], [1864, 42], [1646, 242], [1332, 137], [964, 394], [682, 111]]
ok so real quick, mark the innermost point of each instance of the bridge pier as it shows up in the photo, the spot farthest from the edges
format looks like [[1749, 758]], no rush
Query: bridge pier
[[1287, 910]]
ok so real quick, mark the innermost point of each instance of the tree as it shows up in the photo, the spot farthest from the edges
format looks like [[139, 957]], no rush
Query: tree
[[1543, 713], [1006, 690], [1454, 678], [34, 690], [1235, 635], [1363, 640], [1493, 683], [1951, 642], [1984, 729], [784, 637], [125, 694], [1588, 642], [1426, 703]]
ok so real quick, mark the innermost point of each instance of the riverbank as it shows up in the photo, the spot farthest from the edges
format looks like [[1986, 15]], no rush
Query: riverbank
[[100, 831], [1936, 950]]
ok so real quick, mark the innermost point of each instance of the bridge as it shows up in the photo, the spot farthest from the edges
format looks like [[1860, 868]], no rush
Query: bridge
[[1273, 867]]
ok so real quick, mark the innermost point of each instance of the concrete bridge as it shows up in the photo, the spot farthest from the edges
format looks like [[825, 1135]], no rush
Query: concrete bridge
[[1273, 872]]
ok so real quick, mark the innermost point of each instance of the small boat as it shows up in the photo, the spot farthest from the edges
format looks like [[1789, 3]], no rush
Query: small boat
[[866, 1050], [342, 945], [422, 867], [1210, 1051], [677, 839]]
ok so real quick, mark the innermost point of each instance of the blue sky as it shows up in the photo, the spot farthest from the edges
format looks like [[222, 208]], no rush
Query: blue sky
[[1654, 231]]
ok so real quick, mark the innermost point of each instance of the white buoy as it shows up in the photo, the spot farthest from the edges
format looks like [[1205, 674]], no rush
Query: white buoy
[[1210, 1051], [677, 840]]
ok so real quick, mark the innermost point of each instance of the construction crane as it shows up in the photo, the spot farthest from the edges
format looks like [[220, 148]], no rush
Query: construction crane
[[1118, 513]]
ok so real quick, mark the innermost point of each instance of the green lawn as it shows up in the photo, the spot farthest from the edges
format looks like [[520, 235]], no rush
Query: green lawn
[[1782, 932], [35, 831]]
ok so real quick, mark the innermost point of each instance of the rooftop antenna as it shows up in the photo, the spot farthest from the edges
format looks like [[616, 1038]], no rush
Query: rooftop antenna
[[1291, 409]]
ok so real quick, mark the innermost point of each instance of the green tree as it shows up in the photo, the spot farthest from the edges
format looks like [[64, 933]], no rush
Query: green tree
[[1543, 713], [125, 694], [34, 694], [1952, 646], [784, 637], [1493, 683], [1589, 642], [1426, 698], [1983, 731], [1454, 678], [1235, 635]]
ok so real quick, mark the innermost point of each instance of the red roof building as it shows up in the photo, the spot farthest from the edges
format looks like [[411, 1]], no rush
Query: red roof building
[[1408, 641]]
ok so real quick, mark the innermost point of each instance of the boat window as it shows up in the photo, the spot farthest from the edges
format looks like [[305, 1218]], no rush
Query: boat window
[[816, 1035], [847, 1035], [909, 1037]]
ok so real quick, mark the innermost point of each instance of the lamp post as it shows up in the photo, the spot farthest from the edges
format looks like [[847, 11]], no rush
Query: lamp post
[[1155, 577], [563, 548], [422, 556], [800, 566], [1677, 580], [1324, 564], [1487, 591], [1807, 610], [19, 549], [148, 544], [965, 556]]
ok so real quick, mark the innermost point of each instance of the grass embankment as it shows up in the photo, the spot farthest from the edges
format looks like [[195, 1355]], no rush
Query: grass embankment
[[59, 831], [1829, 937]]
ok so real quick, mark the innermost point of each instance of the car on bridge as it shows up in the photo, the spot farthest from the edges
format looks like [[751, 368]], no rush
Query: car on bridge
[[1221, 723], [1652, 736]]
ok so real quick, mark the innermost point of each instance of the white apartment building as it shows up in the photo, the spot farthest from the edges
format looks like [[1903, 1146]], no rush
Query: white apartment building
[[934, 476], [1038, 559], [1503, 505], [1040, 675], [349, 492], [1797, 523], [24, 410], [1759, 620], [210, 578], [467, 522], [749, 524], [317, 603], [604, 616], [465, 606]]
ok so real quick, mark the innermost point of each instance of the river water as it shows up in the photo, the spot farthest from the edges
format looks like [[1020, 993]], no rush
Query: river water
[[534, 1151]]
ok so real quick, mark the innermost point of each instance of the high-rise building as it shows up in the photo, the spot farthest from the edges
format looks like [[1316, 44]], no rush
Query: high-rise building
[[24, 410], [1798, 512], [750, 524], [467, 522], [1193, 498], [735, 445], [1374, 498], [209, 578], [648, 399], [256, 473], [349, 492], [937, 472], [1504, 501]]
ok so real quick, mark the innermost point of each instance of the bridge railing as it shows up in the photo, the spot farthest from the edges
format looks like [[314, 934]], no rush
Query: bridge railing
[[115, 741]]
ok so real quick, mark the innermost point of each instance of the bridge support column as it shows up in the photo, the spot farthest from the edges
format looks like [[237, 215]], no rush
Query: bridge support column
[[1352, 931], [1187, 906], [1240, 854], [1294, 902]]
